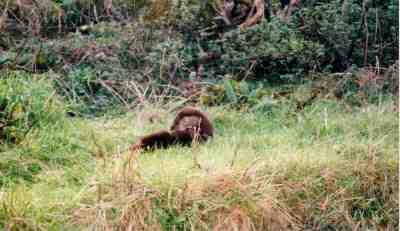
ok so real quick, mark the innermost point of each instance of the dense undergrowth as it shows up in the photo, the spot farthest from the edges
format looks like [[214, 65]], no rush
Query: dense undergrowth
[[103, 57]]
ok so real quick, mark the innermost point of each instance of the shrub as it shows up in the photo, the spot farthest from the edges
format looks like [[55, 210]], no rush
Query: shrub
[[353, 32], [172, 60], [270, 51], [328, 36]]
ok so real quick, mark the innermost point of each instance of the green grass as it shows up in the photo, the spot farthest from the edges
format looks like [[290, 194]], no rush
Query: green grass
[[326, 168]]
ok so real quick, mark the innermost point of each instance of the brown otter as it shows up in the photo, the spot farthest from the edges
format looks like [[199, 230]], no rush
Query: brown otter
[[189, 124]]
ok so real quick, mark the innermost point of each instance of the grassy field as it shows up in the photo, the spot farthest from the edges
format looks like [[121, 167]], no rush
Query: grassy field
[[304, 97], [329, 167]]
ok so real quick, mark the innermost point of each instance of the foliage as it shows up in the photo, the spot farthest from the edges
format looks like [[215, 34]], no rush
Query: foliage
[[25, 105], [93, 71], [345, 28], [87, 93], [179, 42], [319, 37], [269, 51], [295, 102], [33, 127], [47, 17], [172, 60], [239, 94]]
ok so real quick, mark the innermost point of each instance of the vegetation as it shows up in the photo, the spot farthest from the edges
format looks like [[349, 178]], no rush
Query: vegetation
[[323, 168], [303, 97]]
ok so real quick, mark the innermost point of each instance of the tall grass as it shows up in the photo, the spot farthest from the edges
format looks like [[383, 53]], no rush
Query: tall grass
[[323, 169], [34, 130], [328, 167]]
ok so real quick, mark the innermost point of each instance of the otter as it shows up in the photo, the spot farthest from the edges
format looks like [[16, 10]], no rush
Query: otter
[[193, 121], [190, 125]]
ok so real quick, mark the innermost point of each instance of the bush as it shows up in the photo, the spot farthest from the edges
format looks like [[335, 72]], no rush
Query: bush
[[172, 60], [87, 90], [270, 51], [348, 29], [321, 36]]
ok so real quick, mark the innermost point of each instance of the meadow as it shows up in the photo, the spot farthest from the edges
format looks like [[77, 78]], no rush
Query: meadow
[[328, 167], [303, 96]]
